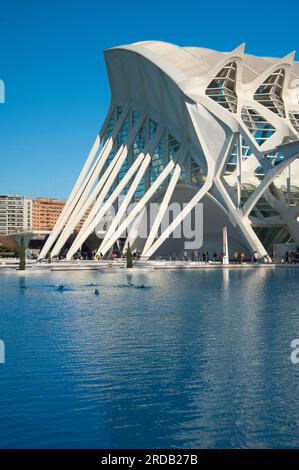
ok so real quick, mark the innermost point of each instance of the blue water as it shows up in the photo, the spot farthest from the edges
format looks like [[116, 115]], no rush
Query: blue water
[[196, 359]]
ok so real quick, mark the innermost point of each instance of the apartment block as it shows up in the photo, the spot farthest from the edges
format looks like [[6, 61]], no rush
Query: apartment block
[[15, 214]]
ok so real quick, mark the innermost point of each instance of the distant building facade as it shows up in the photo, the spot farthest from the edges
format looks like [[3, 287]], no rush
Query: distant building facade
[[45, 212], [19, 214], [15, 214]]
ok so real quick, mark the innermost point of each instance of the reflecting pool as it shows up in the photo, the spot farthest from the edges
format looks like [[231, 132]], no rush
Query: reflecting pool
[[159, 359]]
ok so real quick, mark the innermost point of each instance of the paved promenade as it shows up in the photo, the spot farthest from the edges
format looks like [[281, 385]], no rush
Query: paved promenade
[[80, 265]]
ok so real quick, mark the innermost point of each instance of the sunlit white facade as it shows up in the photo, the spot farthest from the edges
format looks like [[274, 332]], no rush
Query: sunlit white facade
[[190, 124], [15, 214]]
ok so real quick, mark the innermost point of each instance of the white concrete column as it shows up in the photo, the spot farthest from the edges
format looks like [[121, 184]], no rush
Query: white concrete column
[[83, 205], [239, 170], [162, 209], [149, 149], [107, 178], [138, 208], [61, 220], [105, 207], [114, 170], [181, 216], [124, 205], [87, 177]]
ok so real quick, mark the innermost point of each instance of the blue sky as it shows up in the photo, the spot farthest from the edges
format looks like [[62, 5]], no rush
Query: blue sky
[[57, 92]]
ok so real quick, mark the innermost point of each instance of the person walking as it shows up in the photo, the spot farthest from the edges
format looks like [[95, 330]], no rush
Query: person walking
[[286, 257]]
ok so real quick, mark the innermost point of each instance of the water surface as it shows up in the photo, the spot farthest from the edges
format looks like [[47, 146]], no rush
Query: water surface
[[194, 359]]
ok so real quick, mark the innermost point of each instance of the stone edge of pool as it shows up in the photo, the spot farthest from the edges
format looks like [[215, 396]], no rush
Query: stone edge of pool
[[144, 266]]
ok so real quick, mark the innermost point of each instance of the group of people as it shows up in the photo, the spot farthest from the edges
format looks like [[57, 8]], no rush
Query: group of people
[[291, 257], [254, 258], [116, 254], [194, 255]]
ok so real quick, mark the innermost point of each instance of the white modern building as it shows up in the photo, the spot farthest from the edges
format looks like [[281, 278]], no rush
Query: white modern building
[[15, 214], [191, 125]]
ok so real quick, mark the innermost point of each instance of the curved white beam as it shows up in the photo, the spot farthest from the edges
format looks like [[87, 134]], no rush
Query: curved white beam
[[106, 206], [291, 152], [128, 197], [63, 215], [124, 205], [138, 208], [181, 216], [162, 209], [107, 178], [86, 179], [83, 205]]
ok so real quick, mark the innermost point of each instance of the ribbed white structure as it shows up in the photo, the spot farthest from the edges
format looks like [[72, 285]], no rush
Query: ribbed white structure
[[219, 126]]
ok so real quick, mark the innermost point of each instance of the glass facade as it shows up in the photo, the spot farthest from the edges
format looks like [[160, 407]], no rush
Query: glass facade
[[119, 110], [269, 94], [145, 133], [257, 125], [275, 158], [294, 195], [173, 147], [232, 161], [139, 143], [222, 88], [262, 208], [137, 148], [294, 118], [169, 146], [123, 170], [110, 127], [166, 150], [152, 128], [135, 116], [158, 162], [120, 139], [270, 235], [123, 133]]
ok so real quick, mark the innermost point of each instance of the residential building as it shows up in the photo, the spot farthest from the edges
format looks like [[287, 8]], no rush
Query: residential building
[[15, 214], [45, 212]]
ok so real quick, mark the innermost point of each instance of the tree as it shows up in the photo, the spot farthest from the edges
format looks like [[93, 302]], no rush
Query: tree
[[22, 263], [129, 257]]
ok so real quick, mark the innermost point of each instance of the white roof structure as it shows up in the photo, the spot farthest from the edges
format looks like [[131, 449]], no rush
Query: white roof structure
[[196, 61], [221, 125]]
